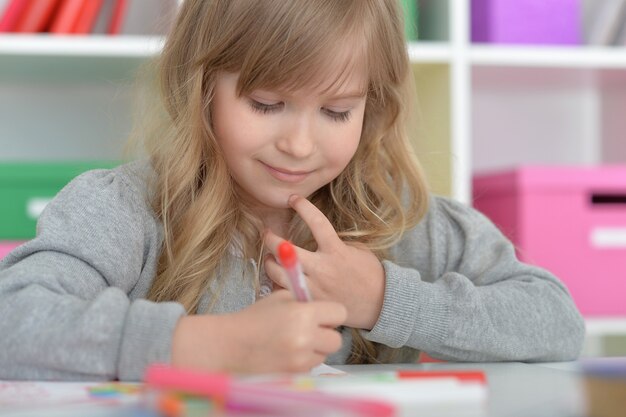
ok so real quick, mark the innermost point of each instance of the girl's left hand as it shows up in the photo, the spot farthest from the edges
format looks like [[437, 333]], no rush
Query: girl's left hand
[[345, 273]]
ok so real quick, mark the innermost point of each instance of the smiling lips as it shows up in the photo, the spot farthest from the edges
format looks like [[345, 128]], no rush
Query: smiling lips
[[286, 175]]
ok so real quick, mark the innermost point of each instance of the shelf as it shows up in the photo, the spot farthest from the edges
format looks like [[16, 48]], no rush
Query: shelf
[[603, 326], [548, 57], [74, 58], [429, 52], [147, 46], [85, 46]]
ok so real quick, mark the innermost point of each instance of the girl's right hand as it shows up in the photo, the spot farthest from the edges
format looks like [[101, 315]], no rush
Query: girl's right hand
[[276, 334]]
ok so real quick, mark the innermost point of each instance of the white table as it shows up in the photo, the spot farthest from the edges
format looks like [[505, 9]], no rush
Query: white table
[[517, 389], [514, 389]]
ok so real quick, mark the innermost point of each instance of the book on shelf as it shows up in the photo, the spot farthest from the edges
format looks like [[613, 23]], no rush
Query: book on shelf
[[117, 17], [36, 16], [621, 36], [87, 17], [409, 9], [604, 22], [11, 12], [103, 18], [67, 16], [147, 17], [80, 17]]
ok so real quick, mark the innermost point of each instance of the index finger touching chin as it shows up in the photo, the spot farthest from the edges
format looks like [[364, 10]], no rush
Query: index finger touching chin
[[321, 228]]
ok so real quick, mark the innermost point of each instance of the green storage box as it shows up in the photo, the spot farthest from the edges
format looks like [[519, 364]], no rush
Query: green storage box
[[410, 9], [26, 188]]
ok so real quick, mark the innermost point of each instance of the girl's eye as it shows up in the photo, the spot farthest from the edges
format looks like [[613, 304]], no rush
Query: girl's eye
[[264, 108], [343, 116], [270, 108]]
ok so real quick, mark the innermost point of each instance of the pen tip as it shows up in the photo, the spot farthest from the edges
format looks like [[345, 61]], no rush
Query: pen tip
[[287, 254]]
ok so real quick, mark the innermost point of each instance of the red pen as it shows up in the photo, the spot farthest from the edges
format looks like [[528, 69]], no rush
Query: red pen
[[289, 261]]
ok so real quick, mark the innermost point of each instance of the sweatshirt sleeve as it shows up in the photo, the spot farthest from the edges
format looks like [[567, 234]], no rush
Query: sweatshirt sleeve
[[69, 299], [457, 292]]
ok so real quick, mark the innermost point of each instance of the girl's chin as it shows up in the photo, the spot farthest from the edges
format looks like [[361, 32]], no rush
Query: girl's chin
[[279, 201]]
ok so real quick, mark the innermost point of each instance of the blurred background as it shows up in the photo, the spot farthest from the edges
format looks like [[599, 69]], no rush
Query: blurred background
[[521, 113]]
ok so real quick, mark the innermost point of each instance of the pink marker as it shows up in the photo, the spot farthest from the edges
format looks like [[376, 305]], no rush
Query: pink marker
[[252, 399], [289, 261]]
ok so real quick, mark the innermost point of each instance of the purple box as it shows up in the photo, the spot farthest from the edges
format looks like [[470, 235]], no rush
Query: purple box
[[527, 21]]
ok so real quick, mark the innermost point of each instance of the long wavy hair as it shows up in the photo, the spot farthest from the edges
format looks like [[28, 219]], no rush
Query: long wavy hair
[[287, 45]]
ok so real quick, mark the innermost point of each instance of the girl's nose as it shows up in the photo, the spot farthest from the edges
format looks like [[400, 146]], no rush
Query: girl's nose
[[299, 140]]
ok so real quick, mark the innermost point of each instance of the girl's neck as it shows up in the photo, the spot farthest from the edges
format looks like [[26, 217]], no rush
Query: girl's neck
[[277, 221]]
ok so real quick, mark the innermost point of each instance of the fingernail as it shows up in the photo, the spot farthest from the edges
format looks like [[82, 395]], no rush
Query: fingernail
[[292, 198]]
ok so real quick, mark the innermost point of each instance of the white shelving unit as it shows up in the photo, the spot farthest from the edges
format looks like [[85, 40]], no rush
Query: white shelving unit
[[481, 107], [513, 105], [478, 77]]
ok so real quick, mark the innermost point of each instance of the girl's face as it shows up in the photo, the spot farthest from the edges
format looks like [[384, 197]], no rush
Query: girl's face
[[277, 144]]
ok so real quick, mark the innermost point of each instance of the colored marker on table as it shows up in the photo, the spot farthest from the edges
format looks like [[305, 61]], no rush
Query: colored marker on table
[[238, 397], [289, 261]]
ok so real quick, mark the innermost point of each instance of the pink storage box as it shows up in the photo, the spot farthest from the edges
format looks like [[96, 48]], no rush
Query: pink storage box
[[526, 21], [571, 221], [6, 247]]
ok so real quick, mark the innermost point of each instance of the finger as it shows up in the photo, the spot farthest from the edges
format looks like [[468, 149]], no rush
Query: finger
[[275, 272], [327, 341], [323, 231]]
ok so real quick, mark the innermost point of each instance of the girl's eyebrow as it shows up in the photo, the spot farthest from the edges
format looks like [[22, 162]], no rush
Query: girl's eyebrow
[[356, 94], [348, 95]]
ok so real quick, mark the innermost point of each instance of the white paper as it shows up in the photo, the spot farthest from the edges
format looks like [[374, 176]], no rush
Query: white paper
[[323, 369]]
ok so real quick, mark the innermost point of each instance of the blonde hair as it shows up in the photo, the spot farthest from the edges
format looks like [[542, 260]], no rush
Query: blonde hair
[[278, 44]]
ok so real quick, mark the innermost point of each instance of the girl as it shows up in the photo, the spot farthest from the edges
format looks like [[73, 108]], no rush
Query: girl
[[283, 120]]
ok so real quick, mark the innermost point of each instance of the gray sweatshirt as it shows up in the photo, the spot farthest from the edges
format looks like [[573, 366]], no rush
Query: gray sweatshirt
[[72, 300]]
